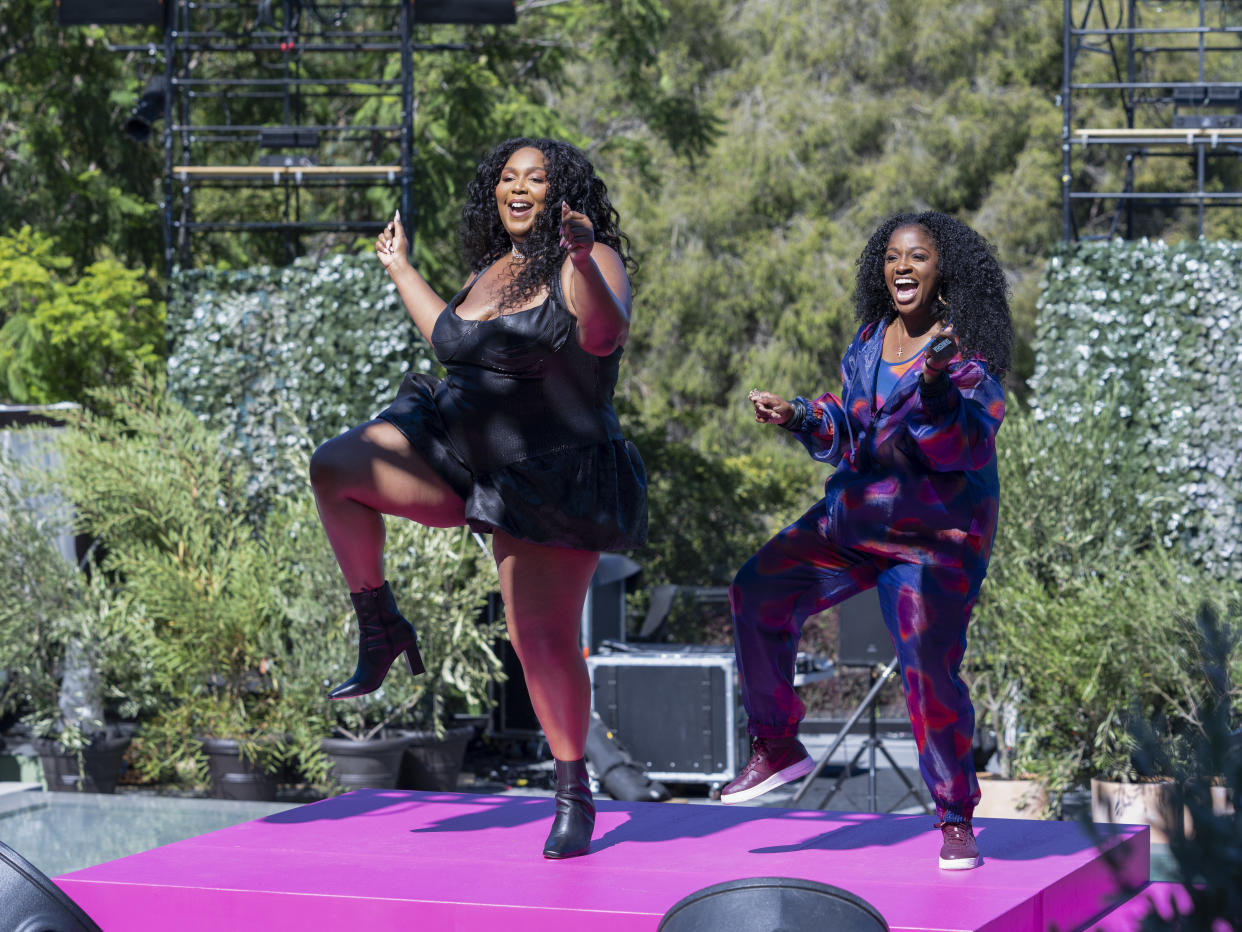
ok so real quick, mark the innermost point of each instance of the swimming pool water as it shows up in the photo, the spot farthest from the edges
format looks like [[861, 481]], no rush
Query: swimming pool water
[[63, 832]]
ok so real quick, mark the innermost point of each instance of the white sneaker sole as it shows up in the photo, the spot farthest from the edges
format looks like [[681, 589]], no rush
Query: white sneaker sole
[[780, 778], [958, 864]]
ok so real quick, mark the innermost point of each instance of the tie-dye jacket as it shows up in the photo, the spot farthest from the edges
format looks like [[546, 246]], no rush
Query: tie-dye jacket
[[916, 479]]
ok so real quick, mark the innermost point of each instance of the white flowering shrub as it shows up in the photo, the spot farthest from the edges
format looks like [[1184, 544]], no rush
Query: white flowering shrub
[[320, 343], [1161, 327]]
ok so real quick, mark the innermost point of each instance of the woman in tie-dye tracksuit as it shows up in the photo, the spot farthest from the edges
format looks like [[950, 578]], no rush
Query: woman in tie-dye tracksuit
[[910, 509]]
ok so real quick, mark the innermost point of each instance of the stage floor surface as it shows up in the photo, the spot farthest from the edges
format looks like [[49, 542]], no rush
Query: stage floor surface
[[393, 859]]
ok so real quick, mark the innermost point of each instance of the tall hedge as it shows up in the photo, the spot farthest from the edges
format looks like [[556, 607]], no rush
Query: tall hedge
[[1161, 326], [318, 343]]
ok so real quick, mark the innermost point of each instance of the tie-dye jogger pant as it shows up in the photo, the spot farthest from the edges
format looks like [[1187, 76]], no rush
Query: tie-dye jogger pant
[[799, 573]]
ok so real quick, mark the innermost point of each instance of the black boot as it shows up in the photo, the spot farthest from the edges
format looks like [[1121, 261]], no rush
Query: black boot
[[575, 812], [383, 636]]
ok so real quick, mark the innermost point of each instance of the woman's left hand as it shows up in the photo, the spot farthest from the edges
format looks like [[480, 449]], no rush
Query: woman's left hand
[[577, 233], [934, 363]]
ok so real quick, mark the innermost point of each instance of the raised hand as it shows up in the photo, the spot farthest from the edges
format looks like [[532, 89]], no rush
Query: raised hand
[[391, 245], [577, 233], [940, 351]]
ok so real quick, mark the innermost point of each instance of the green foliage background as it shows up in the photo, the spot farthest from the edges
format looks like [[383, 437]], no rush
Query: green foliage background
[[63, 334], [1120, 510], [751, 147], [1157, 326], [282, 358]]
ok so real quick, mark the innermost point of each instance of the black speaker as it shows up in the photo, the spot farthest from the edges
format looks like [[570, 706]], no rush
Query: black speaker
[[772, 904], [151, 106], [862, 637], [29, 902], [465, 12], [110, 12]]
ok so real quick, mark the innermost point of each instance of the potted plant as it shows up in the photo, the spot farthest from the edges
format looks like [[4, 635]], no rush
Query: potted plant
[[187, 546], [68, 644], [442, 577], [1083, 622]]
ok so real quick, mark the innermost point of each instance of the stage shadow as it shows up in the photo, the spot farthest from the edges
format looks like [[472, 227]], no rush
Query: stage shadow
[[505, 812], [654, 823], [999, 839], [354, 804], [657, 823], [862, 830]]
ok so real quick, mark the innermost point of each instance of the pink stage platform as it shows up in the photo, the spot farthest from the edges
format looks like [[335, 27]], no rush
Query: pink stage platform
[[388, 859]]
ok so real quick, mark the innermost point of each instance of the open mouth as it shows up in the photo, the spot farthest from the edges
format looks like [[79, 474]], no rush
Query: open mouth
[[904, 290], [520, 208]]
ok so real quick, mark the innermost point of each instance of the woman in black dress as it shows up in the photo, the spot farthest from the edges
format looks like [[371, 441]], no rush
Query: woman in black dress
[[519, 439]]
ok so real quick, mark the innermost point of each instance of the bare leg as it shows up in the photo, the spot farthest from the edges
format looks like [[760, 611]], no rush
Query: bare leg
[[368, 472], [544, 589]]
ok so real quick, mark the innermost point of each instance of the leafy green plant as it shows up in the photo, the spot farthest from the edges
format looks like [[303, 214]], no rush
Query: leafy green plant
[[1087, 611], [1204, 760], [167, 504], [280, 359], [1151, 323], [441, 579], [69, 642], [62, 334]]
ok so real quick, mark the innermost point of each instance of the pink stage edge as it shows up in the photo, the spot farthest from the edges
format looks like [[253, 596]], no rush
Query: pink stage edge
[[389, 859]]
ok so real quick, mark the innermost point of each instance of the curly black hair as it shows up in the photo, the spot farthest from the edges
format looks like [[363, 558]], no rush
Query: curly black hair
[[571, 178], [973, 286]]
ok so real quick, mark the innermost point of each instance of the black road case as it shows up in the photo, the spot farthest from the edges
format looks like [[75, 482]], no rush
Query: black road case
[[675, 708]]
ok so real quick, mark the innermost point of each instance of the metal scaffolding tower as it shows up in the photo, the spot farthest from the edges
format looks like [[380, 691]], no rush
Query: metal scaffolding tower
[[1174, 75], [269, 109]]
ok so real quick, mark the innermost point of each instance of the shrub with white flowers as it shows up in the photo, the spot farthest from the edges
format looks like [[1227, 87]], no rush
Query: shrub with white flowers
[[321, 343], [1162, 326]]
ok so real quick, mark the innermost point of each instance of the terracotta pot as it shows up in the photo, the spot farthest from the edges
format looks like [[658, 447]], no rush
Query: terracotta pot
[[1011, 799], [1148, 803], [1222, 805]]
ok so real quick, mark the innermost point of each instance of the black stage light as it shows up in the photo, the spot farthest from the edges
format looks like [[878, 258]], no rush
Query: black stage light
[[151, 107], [30, 902], [467, 12], [772, 904], [110, 12]]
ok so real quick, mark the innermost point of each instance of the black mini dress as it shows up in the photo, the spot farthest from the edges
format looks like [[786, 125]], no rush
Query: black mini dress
[[523, 429]]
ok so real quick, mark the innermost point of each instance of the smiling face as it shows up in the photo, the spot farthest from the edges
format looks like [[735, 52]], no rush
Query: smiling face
[[521, 192], [911, 271]]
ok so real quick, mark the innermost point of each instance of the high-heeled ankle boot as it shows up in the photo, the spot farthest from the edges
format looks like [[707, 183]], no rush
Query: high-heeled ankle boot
[[383, 636], [575, 812]]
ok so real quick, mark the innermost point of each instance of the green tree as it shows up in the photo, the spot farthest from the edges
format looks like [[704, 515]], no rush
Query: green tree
[[834, 115], [66, 169], [63, 334]]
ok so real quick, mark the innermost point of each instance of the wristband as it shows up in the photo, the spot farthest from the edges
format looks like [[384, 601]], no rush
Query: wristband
[[799, 415]]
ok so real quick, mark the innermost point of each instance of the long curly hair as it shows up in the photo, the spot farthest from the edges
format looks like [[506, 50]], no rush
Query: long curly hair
[[571, 178], [973, 286]]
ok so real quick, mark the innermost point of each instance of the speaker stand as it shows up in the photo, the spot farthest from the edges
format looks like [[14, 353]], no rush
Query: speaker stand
[[870, 746]]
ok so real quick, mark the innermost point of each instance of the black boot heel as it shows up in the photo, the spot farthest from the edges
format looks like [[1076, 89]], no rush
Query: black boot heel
[[384, 635], [575, 812], [414, 660]]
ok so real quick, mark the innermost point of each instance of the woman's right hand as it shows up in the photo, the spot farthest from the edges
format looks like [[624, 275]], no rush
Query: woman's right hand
[[770, 408], [391, 245]]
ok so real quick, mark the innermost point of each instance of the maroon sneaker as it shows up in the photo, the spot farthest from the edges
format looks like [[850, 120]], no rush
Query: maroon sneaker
[[959, 851], [773, 762]]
